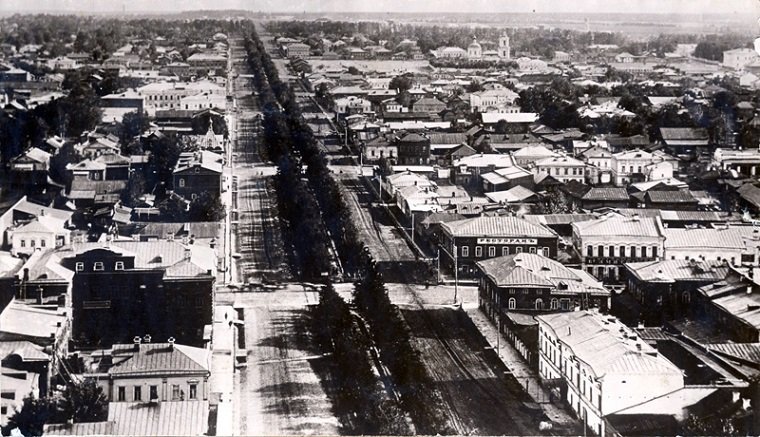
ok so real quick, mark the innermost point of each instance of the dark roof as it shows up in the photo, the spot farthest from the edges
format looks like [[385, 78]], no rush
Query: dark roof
[[661, 196], [750, 193], [413, 138], [644, 424], [683, 133], [606, 194], [632, 141]]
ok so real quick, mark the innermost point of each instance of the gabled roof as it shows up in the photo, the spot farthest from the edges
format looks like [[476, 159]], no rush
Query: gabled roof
[[496, 227], [684, 133], [606, 194], [514, 194]]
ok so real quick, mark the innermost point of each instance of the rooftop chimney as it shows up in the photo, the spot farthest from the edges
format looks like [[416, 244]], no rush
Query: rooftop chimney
[[171, 343], [146, 338], [137, 340]]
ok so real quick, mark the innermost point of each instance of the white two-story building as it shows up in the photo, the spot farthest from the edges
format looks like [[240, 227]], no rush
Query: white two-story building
[[602, 365]]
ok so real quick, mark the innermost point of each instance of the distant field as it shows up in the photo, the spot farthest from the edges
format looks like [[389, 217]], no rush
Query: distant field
[[369, 65]]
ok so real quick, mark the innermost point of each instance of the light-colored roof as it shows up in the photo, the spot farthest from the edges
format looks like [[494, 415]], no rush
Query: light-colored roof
[[563, 161], [30, 321], [159, 254], [174, 418], [485, 160], [158, 359], [534, 151], [531, 270], [497, 227], [620, 226], [203, 158], [742, 306], [511, 117], [599, 342], [514, 194], [26, 350], [669, 271], [712, 238]]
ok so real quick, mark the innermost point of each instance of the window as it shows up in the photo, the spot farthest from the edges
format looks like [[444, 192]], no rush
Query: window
[[622, 252], [532, 250], [643, 251], [589, 250], [31, 243], [612, 251], [176, 393], [181, 182], [153, 392], [193, 391], [121, 394], [539, 304], [23, 243], [138, 393], [519, 250], [686, 297], [512, 303], [193, 196], [42, 243], [465, 250], [491, 251], [98, 267], [504, 251], [555, 304], [79, 267], [601, 250], [654, 252], [478, 251], [119, 265]]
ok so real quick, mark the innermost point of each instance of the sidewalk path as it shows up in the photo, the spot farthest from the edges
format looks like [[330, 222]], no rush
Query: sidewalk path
[[520, 369]]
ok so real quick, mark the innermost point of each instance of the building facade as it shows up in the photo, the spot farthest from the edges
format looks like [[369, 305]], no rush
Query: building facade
[[466, 242]]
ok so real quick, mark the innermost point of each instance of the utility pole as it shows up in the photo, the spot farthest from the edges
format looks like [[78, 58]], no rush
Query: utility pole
[[456, 274], [438, 264]]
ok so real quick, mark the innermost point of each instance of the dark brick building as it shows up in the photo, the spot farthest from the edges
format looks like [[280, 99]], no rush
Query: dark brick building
[[125, 289], [198, 172]]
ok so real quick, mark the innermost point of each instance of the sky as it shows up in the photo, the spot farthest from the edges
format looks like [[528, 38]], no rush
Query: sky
[[750, 7]]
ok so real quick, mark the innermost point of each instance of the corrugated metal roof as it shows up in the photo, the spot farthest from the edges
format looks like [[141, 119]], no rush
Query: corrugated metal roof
[[186, 418], [661, 196], [159, 359], [531, 270], [678, 270], [620, 226], [728, 238], [742, 351], [601, 342], [558, 219], [742, 306], [80, 429], [610, 193], [496, 227]]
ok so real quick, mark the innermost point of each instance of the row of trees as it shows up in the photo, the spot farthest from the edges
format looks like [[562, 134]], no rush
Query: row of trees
[[387, 328], [391, 335], [299, 211], [359, 399]]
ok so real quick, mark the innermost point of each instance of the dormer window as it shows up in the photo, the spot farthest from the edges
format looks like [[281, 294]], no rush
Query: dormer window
[[98, 266], [119, 265], [79, 267]]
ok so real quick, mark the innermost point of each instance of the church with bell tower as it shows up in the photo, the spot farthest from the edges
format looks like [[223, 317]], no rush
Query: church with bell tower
[[504, 52]]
